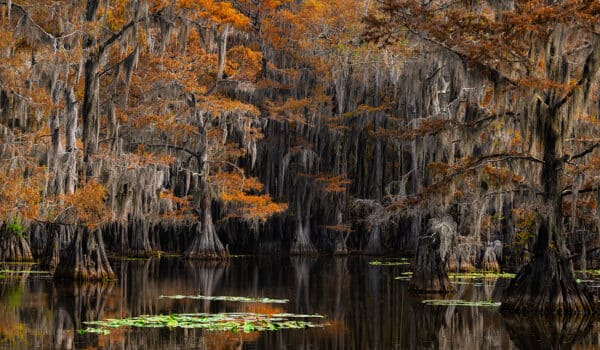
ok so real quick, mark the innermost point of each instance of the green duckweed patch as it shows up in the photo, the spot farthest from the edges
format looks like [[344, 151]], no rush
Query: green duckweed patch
[[233, 322], [227, 298], [458, 302]]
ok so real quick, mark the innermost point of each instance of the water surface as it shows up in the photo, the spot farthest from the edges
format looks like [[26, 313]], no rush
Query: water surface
[[365, 306]]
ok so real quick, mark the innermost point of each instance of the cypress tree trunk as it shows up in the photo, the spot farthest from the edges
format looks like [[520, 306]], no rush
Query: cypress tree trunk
[[302, 242], [139, 242], [206, 243], [91, 120], [60, 237], [547, 283], [430, 275]]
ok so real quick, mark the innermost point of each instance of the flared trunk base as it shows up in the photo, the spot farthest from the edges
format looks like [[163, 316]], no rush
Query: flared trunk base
[[14, 248], [547, 285], [84, 259]]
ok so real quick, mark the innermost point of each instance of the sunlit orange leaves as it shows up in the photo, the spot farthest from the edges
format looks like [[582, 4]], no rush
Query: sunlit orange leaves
[[242, 201], [21, 191], [217, 12]]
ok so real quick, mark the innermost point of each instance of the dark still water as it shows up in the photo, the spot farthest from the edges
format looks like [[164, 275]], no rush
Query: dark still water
[[364, 305]]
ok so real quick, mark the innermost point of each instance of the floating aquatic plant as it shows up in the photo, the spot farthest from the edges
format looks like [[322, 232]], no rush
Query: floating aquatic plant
[[404, 276], [227, 298], [403, 261], [24, 272], [476, 284], [234, 322], [458, 302], [466, 275], [589, 272], [481, 275]]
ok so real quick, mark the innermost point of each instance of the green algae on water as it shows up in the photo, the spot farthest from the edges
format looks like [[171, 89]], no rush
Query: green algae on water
[[227, 298]]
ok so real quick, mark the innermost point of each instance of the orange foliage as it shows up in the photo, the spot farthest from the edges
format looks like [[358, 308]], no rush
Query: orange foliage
[[21, 191], [88, 201], [237, 192], [333, 183]]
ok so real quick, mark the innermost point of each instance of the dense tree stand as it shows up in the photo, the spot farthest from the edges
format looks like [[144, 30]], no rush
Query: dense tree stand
[[429, 274], [84, 258]]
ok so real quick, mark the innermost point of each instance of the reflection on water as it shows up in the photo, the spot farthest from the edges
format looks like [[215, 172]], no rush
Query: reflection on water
[[365, 308]]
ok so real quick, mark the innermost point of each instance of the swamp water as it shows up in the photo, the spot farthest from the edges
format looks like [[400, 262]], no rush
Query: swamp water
[[347, 303]]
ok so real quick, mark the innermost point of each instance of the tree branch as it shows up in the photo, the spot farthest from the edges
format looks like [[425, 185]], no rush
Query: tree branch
[[586, 152]]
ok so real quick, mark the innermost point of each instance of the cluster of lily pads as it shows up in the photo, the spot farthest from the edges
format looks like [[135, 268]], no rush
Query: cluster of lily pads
[[234, 322], [227, 321]]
